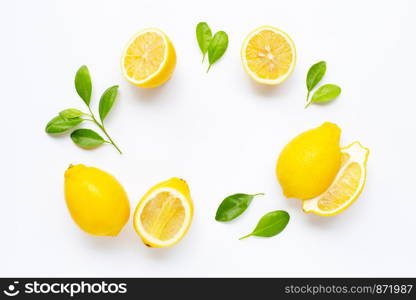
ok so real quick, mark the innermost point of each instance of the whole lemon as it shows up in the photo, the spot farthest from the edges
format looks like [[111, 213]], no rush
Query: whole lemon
[[309, 163], [96, 200]]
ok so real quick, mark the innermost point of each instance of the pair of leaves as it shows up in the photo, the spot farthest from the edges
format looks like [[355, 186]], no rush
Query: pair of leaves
[[269, 225], [215, 45], [70, 118], [233, 206], [325, 93]]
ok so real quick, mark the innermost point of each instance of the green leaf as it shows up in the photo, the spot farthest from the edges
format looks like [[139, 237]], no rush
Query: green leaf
[[107, 101], [217, 47], [203, 36], [71, 113], [270, 224], [315, 74], [60, 124], [326, 93], [83, 84], [233, 206], [87, 138]]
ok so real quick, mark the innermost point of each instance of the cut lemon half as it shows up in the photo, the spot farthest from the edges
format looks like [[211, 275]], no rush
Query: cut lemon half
[[346, 187], [268, 55], [164, 214], [149, 58]]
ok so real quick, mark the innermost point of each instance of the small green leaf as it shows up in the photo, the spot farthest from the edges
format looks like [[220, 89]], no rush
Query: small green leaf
[[87, 138], [326, 93], [60, 124], [107, 101], [270, 224], [203, 36], [217, 47], [233, 206], [71, 113], [315, 74], [83, 84]]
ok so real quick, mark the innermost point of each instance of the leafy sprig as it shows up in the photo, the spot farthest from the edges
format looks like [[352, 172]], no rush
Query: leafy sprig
[[72, 117]]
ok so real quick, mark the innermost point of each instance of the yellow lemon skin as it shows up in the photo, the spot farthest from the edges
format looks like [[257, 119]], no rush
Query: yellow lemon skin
[[96, 200], [310, 162]]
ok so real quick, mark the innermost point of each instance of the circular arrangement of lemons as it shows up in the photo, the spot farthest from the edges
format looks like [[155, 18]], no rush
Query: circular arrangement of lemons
[[312, 167]]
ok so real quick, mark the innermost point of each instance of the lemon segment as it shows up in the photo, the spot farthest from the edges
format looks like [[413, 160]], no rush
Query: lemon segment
[[346, 187], [149, 58], [308, 164], [268, 55], [164, 214]]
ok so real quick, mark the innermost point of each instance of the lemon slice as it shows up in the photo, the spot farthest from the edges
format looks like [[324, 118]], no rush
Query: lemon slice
[[346, 187], [268, 55], [164, 214], [149, 58]]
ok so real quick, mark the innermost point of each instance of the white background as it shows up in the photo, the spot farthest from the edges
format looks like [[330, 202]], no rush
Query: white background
[[219, 131]]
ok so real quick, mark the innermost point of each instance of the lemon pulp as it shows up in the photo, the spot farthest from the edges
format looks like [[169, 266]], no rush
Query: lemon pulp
[[346, 187]]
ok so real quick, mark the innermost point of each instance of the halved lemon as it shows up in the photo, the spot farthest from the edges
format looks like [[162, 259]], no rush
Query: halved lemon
[[268, 55], [346, 187], [164, 214], [149, 58]]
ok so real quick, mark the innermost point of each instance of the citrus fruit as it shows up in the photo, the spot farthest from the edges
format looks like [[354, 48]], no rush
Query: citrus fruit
[[309, 163], [346, 187], [268, 55], [96, 200], [148, 59], [164, 214]]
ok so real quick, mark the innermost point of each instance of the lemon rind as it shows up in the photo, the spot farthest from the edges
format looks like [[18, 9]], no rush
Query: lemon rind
[[162, 65], [311, 205], [251, 73]]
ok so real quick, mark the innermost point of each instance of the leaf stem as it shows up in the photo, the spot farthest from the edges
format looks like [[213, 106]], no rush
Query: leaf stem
[[307, 96], [258, 194], [103, 130], [203, 57], [246, 236], [209, 68]]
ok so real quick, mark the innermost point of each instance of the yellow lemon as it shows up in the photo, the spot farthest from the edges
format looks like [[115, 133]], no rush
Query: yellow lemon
[[164, 214], [268, 55], [96, 200], [346, 187], [309, 163], [149, 58]]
